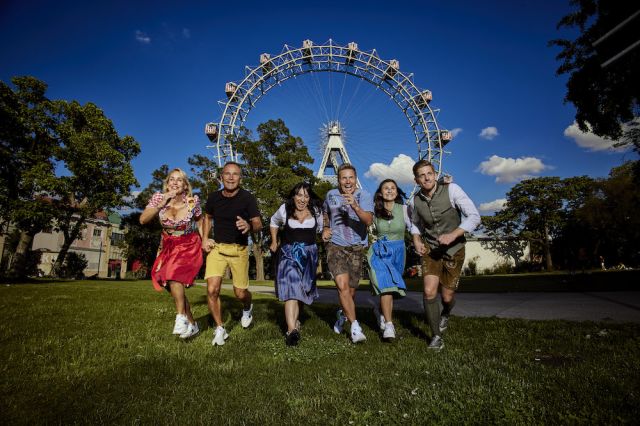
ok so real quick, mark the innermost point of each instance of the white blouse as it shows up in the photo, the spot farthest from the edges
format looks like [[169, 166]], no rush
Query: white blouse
[[277, 220]]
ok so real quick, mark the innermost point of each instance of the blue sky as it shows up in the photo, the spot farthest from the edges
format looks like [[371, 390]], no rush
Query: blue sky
[[158, 70]]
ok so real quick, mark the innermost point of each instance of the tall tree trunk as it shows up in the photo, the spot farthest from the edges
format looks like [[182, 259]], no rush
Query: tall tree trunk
[[257, 252], [69, 238], [547, 249], [19, 260]]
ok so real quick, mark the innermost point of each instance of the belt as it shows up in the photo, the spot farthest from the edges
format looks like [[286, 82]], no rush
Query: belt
[[177, 232]]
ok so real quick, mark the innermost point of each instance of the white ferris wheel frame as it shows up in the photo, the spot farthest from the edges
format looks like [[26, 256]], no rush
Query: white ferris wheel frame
[[329, 57]]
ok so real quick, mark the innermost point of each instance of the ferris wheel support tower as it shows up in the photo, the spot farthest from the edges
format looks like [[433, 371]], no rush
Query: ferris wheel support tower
[[335, 154]]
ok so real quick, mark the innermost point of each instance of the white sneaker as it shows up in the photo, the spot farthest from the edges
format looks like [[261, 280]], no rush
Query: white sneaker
[[247, 317], [356, 333], [192, 330], [220, 336], [337, 327], [389, 331], [382, 322], [436, 343], [181, 324]]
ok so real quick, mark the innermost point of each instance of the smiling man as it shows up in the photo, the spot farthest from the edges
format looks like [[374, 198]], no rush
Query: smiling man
[[348, 211], [234, 212], [437, 211]]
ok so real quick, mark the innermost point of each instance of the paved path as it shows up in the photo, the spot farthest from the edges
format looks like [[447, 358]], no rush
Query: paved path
[[620, 306]]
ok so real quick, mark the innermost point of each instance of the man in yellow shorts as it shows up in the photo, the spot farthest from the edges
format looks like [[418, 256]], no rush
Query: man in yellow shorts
[[234, 212]]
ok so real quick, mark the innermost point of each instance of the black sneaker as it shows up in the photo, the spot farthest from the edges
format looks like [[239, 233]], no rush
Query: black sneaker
[[292, 338]]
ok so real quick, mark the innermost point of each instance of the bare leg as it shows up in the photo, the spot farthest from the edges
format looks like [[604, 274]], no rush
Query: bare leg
[[177, 292], [244, 295], [347, 296], [291, 312], [187, 308], [213, 299], [179, 296], [386, 306]]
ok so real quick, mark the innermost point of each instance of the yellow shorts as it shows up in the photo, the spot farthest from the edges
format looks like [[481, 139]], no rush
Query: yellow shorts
[[235, 256]]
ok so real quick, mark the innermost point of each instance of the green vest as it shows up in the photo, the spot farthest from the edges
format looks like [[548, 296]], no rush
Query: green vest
[[392, 228], [438, 218]]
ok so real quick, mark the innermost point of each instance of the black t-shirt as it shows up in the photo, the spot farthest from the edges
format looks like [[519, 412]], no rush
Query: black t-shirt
[[225, 210]]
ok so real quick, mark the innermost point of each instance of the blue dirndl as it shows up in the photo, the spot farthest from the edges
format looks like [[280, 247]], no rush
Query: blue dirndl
[[386, 260], [296, 274]]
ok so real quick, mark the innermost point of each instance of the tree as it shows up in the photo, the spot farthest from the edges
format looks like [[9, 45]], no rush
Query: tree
[[609, 216], [501, 229], [606, 98], [157, 180], [27, 144], [203, 176], [533, 212], [275, 162], [98, 174], [141, 241]]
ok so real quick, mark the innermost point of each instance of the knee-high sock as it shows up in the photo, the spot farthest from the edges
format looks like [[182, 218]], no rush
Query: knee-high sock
[[447, 307], [432, 315]]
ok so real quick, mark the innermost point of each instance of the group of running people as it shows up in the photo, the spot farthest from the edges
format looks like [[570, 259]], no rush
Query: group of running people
[[437, 217]]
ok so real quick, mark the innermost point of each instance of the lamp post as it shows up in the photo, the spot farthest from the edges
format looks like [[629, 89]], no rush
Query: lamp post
[[100, 254]]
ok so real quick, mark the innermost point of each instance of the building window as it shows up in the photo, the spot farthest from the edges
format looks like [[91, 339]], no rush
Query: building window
[[97, 232], [116, 238]]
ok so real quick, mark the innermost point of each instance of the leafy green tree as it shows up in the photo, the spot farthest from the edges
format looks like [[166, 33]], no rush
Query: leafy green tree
[[274, 163], [502, 230], [98, 174], [157, 180], [533, 212], [27, 144], [203, 176], [609, 216], [141, 241], [74, 265], [607, 97]]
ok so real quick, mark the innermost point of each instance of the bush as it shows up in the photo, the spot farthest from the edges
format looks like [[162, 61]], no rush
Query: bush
[[471, 268], [32, 262], [499, 268], [527, 266], [74, 265]]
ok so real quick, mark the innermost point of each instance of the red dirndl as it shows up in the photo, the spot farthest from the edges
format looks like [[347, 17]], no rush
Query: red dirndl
[[179, 260]]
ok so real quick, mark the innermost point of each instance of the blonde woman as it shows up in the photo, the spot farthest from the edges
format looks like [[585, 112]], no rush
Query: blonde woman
[[180, 256]]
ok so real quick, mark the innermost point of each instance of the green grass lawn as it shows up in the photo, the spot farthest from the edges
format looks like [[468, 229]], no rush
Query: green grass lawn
[[102, 352]]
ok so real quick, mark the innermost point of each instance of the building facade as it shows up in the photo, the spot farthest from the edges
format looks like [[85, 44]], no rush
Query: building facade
[[100, 242]]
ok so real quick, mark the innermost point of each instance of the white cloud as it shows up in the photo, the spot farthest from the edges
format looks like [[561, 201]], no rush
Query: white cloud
[[142, 37], [489, 133], [399, 170], [589, 140], [511, 169], [455, 132], [186, 33], [493, 206]]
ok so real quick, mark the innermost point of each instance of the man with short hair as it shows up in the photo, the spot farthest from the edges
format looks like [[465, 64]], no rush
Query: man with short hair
[[437, 211], [348, 211], [235, 214]]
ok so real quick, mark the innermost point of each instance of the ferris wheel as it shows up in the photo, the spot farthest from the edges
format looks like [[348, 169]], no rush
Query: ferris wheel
[[385, 75]]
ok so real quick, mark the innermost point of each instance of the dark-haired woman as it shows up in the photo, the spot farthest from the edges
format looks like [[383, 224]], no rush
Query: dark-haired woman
[[301, 219], [386, 257]]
